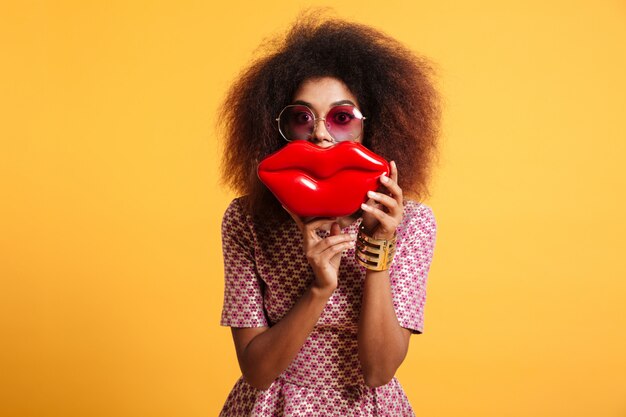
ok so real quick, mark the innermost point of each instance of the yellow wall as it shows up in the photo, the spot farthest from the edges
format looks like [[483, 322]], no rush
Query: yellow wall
[[110, 210]]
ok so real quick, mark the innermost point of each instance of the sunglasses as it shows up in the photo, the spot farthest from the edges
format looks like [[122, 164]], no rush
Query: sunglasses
[[343, 122]]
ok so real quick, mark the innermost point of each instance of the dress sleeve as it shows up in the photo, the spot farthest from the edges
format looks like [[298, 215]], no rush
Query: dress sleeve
[[243, 288], [409, 270]]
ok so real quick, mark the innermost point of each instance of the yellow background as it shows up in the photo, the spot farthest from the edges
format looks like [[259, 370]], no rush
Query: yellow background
[[110, 208]]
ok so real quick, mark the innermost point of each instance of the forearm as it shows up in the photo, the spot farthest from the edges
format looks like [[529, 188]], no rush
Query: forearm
[[380, 338], [271, 352]]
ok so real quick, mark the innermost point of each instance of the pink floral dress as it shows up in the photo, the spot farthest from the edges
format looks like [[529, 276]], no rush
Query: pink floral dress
[[266, 272]]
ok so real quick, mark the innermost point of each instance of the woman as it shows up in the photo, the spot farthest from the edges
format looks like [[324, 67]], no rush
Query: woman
[[315, 332]]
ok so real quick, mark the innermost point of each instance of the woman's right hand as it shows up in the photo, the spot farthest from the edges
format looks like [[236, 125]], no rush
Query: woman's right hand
[[324, 255]]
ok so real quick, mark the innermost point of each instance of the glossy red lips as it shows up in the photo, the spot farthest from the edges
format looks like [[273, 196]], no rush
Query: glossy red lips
[[312, 181]]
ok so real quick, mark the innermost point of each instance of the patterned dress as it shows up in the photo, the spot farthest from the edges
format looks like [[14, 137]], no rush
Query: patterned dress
[[266, 272]]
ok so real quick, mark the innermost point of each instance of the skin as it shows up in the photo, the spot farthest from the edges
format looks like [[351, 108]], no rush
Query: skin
[[265, 352]]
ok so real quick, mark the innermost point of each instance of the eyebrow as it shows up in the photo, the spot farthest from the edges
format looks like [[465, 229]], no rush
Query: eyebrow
[[336, 103]]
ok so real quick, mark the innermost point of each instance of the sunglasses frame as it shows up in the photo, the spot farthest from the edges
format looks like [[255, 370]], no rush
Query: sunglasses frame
[[316, 119]]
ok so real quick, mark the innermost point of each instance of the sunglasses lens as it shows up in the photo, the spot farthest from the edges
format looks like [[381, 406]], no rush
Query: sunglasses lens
[[344, 123], [296, 122]]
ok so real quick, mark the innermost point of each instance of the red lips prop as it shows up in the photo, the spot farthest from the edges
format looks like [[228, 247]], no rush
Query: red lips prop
[[312, 181]]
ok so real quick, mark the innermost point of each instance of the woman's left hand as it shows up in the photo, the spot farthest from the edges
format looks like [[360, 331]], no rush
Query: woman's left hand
[[383, 212]]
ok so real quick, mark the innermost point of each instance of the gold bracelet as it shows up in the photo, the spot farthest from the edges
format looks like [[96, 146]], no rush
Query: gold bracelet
[[374, 254]]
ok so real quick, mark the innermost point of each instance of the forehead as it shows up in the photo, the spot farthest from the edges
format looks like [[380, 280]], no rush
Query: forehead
[[324, 92]]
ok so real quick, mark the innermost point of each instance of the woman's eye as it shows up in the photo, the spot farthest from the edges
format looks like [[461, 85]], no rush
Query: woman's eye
[[343, 117], [302, 118]]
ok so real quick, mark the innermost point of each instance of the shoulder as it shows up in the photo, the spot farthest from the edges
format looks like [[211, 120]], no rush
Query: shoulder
[[414, 210], [235, 214], [419, 218], [237, 208]]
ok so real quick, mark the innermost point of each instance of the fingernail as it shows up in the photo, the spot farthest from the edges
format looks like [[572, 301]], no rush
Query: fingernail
[[371, 194], [384, 178]]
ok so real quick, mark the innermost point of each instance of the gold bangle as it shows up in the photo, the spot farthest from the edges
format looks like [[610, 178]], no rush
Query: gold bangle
[[374, 254]]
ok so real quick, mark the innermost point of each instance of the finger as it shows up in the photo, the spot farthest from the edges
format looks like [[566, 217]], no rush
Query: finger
[[335, 249], [330, 241], [373, 203], [385, 220], [316, 223], [369, 221], [311, 226], [335, 229], [393, 187], [329, 246], [394, 177], [394, 171], [390, 203]]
